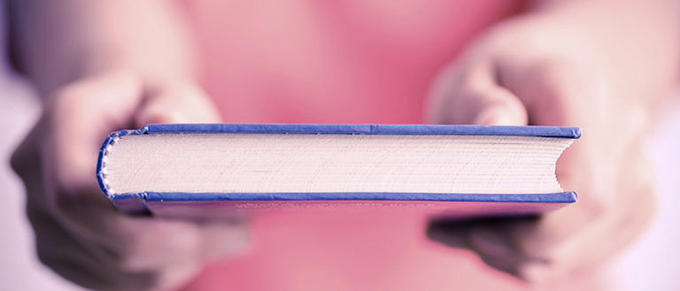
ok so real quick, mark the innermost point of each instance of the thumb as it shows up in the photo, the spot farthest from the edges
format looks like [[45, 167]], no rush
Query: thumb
[[471, 95], [176, 104], [498, 106]]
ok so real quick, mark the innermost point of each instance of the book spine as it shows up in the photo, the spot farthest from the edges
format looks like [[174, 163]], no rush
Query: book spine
[[107, 146]]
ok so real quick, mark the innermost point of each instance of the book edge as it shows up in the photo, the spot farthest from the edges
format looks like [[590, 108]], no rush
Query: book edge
[[138, 203], [369, 129], [561, 197]]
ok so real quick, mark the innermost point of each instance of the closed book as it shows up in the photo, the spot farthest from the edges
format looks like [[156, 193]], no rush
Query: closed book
[[226, 170]]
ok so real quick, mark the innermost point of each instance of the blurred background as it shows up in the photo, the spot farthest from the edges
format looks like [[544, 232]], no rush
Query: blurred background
[[651, 263]]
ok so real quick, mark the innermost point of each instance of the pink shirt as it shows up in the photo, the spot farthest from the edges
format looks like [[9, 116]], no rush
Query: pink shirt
[[347, 61]]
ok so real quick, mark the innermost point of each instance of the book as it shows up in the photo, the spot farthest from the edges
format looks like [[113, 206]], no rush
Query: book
[[224, 170]]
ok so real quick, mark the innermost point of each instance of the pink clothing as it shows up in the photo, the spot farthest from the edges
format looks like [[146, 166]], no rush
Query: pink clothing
[[348, 61], [363, 61]]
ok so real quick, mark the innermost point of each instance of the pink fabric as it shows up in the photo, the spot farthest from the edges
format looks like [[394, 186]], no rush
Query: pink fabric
[[358, 61], [362, 61]]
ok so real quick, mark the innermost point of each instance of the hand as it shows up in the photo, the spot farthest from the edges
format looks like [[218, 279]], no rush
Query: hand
[[79, 233], [542, 70]]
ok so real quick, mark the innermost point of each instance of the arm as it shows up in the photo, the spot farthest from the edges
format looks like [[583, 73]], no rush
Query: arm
[[639, 40], [604, 66], [106, 65], [58, 42]]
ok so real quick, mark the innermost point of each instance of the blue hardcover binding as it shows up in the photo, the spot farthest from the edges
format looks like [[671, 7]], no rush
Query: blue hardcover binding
[[445, 204]]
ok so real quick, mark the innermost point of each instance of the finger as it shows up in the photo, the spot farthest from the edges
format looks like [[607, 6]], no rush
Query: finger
[[94, 242], [56, 248], [578, 236], [77, 120], [622, 220], [497, 244], [73, 141], [176, 104], [556, 97], [497, 106], [72, 258], [25, 160], [91, 267], [475, 97], [222, 239], [140, 243], [450, 233], [174, 276], [76, 260], [549, 247], [92, 262], [491, 238], [144, 243], [137, 244]]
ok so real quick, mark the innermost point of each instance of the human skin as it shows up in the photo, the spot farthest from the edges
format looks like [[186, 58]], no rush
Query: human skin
[[111, 65], [118, 64], [604, 67]]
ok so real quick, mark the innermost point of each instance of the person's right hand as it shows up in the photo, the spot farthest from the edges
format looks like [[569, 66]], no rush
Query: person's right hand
[[79, 233]]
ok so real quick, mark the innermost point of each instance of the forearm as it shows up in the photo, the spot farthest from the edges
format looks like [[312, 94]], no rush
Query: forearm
[[660, 16], [640, 39], [59, 41]]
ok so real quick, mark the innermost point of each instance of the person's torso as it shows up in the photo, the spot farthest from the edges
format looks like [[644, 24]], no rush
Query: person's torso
[[359, 61], [354, 61]]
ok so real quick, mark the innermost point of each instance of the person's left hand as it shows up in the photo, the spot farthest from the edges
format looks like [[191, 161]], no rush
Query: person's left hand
[[544, 70]]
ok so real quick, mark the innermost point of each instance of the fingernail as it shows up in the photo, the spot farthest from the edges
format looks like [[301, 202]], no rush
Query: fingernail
[[167, 116], [492, 116], [500, 114]]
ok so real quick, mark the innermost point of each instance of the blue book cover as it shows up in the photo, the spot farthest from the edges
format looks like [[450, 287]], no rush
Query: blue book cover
[[208, 204]]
